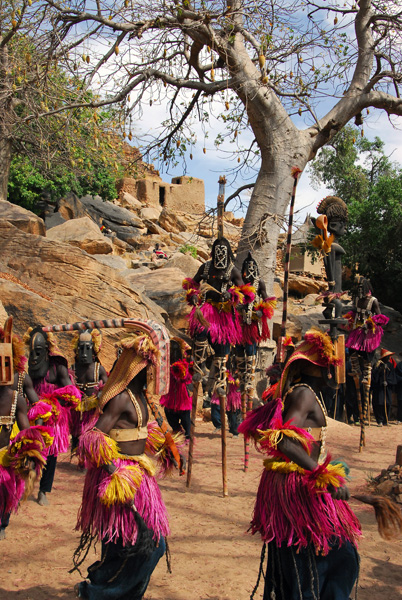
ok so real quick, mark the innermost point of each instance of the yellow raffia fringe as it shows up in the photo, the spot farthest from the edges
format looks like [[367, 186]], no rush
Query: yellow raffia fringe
[[4, 457], [15, 431], [88, 403], [45, 417], [47, 439], [108, 450], [275, 436], [123, 486], [71, 398], [330, 477]]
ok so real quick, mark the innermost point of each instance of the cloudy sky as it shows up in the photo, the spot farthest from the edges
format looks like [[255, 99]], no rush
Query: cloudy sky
[[214, 163]]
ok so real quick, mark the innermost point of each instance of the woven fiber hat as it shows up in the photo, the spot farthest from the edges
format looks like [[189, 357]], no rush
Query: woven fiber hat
[[384, 353], [316, 348], [147, 347]]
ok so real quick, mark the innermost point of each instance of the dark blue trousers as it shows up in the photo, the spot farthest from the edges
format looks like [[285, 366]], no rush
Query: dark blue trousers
[[118, 576], [294, 575]]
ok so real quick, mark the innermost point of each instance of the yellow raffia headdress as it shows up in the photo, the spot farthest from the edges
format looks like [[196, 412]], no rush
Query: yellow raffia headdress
[[49, 337], [96, 338], [138, 352]]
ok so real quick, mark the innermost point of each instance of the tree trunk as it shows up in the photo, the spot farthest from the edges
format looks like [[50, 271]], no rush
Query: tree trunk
[[270, 199], [5, 163], [5, 126]]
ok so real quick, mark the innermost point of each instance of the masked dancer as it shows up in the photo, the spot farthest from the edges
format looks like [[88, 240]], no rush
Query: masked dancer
[[214, 293], [48, 370], [365, 326], [254, 319], [89, 376], [122, 505], [335, 215], [301, 509], [22, 458]]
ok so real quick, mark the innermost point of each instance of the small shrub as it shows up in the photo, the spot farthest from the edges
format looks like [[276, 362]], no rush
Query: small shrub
[[189, 249]]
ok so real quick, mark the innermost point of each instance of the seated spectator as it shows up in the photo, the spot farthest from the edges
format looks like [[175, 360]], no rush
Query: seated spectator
[[159, 253]]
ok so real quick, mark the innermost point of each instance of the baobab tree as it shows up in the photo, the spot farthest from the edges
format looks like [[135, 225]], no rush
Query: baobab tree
[[293, 72]]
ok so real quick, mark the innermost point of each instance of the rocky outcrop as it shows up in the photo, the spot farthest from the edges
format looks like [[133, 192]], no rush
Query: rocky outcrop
[[129, 235], [153, 227], [185, 262], [130, 202], [53, 220], [150, 213], [71, 207], [54, 282], [163, 286], [114, 262], [83, 233], [113, 216], [23, 219], [303, 285], [171, 222]]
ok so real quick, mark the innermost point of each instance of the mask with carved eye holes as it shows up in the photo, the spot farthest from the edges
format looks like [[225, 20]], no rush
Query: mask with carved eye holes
[[85, 348], [38, 362], [220, 256]]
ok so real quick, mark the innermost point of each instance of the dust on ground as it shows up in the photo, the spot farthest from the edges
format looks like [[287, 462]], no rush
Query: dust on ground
[[213, 558]]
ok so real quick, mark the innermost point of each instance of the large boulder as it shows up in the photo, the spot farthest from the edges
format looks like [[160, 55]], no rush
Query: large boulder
[[128, 201], [113, 216], [184, 262], [83, 233], [164, 286], [171, 222], [150, 213], [23, 219], [111, 260], [153, 227], [302, 285], [54, 282], [71, 207], [53, 220], [129, 235]]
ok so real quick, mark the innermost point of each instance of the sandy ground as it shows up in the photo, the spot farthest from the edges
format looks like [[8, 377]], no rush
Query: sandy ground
[[213, 558]]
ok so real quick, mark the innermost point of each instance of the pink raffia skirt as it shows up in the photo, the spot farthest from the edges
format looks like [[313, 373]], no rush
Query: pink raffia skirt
[[367, 338], [233, 398], [289, 510], [252, 333], [177, 397], [224, 327], [108, 523], [11, 489]]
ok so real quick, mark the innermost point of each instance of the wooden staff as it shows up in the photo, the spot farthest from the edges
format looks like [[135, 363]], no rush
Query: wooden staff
[[281, 350], [362, 442], [244, 399], [222, 406], [222, 403], [221, 204], [196, 386]]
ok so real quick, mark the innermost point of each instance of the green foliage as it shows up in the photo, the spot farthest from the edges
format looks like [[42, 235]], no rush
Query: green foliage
[[189, 249], [56, 148], [27, 182], [358, 171]]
